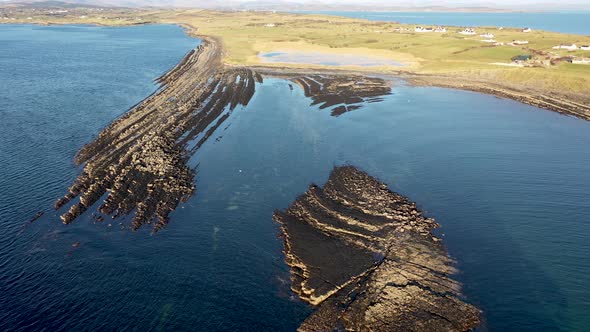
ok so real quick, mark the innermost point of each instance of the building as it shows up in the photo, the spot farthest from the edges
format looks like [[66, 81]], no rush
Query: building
[[440, 29], [423, 29], [581, 61], [571, 47], [522, 59], [270, 25], [487, 35], [468, 32], [489, 41], [526, 30], [520, 42], [585, 47]]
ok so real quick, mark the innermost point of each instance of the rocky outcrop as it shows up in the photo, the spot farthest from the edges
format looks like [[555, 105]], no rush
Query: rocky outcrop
[[342, 93], [366, 257], [139, 163]]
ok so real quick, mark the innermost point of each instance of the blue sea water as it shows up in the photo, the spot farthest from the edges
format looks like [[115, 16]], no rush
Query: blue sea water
[[566, 22], [508, 182]]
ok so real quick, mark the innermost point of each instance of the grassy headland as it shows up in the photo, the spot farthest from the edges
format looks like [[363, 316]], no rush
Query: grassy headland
[[442, 59]]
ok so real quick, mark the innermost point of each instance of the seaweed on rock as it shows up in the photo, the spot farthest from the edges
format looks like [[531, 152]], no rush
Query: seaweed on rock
[[342, 93], [366, 257]]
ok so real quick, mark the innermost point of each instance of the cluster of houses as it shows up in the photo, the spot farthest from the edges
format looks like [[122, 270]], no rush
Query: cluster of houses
[[468, 32], [572, 47], [429, 29]]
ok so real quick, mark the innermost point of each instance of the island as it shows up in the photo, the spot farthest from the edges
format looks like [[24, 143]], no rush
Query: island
[[367, 258]]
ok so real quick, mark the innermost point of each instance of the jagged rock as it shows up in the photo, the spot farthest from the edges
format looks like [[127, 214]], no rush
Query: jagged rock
[[140, 161], [366, 257], [342, 93]]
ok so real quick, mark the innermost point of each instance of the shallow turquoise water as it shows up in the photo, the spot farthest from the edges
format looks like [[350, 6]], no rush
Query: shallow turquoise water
[[508, 182], [566, 22]]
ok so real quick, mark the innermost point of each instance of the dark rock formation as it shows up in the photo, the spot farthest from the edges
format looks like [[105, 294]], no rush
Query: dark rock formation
[[139, 162], [366, 257], [342, 93]]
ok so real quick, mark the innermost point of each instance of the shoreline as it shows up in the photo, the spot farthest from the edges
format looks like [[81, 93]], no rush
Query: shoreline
[[542, 101], [565, 102]]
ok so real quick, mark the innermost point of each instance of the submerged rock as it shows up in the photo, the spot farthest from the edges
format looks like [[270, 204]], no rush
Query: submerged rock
[[366, 257]]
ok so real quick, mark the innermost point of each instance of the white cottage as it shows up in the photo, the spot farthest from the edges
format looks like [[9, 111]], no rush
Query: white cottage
[[520, 42], [571, 47]]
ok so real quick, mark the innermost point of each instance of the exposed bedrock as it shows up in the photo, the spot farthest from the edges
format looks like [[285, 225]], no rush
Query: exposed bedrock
[[342, 93], [366, 257], [139, 162]]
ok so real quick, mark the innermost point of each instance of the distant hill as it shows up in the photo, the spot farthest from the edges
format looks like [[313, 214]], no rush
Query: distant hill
[[311, 5], [48, 4]]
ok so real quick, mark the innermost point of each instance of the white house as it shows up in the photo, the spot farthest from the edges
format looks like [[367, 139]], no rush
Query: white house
[[422, 29], [270, 25], [488, 40], [571, 47], [526, 30], [585, 47], [468, 32], [440, 29], [487, 35], [520, 42]]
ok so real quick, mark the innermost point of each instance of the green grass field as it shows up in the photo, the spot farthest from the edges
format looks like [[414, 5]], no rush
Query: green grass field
[[245, 35]]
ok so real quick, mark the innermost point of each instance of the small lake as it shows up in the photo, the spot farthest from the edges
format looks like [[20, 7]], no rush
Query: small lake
[[508, 182], [566, 22], [326, 59]]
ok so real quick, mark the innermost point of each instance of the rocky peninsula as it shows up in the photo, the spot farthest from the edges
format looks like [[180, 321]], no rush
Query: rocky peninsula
[[367, 258], [139, 163]]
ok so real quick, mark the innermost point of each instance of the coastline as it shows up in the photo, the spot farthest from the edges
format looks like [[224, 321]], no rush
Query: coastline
[[543, 93], [548, 102]]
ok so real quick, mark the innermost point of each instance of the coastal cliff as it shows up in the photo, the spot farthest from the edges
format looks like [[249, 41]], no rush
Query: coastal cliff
[[367, 258]]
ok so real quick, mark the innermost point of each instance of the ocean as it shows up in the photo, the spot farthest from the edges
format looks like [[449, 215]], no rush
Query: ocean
[[566, 22], [508, 183]]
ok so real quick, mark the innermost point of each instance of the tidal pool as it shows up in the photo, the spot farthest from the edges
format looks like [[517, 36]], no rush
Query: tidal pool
[[326, 59]]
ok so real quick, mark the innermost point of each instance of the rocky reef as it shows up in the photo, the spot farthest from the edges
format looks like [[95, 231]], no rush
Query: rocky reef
[[139, 163], [367, 258], [342, 93]]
